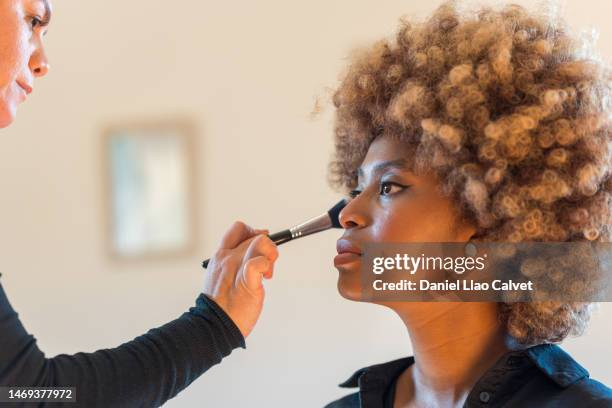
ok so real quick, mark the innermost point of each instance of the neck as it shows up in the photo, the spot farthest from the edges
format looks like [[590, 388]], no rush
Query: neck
[[453, 343]]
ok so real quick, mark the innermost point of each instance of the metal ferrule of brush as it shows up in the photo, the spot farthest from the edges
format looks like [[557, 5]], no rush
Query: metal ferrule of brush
[[314, 225]]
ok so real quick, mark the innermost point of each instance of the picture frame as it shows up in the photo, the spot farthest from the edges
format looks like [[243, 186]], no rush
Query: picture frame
[[150, 188]]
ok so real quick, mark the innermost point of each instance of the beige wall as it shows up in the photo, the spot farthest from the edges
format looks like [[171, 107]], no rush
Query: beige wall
[[249, 74]]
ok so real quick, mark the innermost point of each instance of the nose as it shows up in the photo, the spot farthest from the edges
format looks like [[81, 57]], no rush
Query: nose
[[354, 214], [39, 65]]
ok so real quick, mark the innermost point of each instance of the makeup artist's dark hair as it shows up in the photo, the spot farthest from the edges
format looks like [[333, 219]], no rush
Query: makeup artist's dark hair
[[511, 112]]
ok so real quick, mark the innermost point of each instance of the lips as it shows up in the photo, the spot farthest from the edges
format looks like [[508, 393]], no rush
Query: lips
[[347, 252], [344, 245], [27, 88]]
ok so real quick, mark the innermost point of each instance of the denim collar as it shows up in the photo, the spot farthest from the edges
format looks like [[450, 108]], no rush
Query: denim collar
[[503, 378], [378, 375], [555, 363]]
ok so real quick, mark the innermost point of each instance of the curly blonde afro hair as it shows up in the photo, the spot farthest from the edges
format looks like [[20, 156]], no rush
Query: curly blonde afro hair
[[511, 113]]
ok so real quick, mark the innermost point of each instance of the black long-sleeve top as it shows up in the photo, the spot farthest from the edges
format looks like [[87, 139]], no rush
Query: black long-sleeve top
[[144, 372], [542, 376]]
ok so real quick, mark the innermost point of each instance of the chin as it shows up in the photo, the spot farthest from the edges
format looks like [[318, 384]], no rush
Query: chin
[[349, 289], [7, 115]]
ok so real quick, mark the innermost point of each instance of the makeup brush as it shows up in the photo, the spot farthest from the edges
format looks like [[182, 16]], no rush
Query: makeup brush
[[323, 222]]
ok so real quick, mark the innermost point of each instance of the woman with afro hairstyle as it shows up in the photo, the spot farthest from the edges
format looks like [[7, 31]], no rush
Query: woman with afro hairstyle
[[493, 126]]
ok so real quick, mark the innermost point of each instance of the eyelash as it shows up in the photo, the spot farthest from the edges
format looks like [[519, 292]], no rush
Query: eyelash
[[35, 22], [392, 184], [355, 193]]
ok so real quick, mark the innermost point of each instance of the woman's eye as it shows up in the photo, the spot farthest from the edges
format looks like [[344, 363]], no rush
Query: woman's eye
[[35, 22], [354, 193], [388, 188]]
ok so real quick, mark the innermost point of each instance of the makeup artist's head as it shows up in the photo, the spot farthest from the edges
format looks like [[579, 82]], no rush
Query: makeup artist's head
[[491, 126], [22, 58]]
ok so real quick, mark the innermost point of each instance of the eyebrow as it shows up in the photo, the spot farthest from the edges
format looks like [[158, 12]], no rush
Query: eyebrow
[[46, 19], [400, 164]]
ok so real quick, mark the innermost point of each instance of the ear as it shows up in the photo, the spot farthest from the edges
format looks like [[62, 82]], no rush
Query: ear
[[465, 230]]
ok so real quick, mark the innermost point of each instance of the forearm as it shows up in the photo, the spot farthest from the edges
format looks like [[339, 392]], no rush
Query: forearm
[[144, 372]]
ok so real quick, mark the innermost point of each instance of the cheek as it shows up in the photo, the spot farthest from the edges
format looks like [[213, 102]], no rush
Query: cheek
[[14, 53], [413, 222], [397, 227], [13, 62]]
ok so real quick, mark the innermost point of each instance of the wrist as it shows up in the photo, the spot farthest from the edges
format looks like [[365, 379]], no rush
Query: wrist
[[231, 326]]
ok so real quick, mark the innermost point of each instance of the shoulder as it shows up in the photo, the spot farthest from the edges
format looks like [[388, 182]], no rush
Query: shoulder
[[591, 393], [565, 381], [376, 378]]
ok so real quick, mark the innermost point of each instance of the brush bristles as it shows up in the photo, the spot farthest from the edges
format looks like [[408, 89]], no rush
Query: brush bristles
[[334, 213]]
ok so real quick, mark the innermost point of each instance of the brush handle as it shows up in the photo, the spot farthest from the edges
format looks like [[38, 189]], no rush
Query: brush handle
[[278, 238]]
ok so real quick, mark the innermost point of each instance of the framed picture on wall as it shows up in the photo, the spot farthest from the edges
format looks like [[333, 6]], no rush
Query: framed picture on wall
[[150, 188]]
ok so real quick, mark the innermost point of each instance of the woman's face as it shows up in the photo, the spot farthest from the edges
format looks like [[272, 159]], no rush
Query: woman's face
[[22, 58], [392, 205]]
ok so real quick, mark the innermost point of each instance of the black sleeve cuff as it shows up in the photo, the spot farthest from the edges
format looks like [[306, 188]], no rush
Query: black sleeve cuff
[[232, 331]]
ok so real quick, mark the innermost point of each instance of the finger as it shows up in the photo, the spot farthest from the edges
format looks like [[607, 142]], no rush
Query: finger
[[226, 264], [244, 245], [253, 272], [262, 245], [270, 272], [236, 234]]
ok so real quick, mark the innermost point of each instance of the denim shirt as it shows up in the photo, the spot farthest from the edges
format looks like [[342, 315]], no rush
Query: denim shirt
[[542, 376]]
